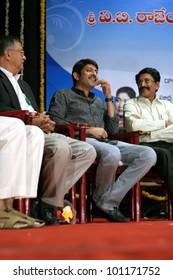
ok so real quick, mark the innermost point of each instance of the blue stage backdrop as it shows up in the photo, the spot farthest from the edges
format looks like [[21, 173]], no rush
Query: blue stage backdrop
[[123, 36]]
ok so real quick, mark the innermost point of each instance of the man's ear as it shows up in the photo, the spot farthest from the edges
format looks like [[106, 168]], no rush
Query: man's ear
[[7, 54], [76, 76], [157, 85]]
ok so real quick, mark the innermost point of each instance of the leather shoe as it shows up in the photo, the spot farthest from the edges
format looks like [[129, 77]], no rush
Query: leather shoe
[[111, 215], [48, 214], [34, 208]]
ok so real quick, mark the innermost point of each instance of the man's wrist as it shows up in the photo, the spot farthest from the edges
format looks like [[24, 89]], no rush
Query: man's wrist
[[109, 99]]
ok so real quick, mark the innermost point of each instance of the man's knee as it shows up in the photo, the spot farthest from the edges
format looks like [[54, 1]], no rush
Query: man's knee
[[151, 155], [57, 149], [113, 157]]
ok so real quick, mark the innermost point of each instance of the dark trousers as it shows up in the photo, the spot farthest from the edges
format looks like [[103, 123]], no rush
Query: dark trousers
[[164, 164]]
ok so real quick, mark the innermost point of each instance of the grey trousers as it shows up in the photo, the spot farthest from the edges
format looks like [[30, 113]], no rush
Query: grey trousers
[[110, 192], [65, 161]]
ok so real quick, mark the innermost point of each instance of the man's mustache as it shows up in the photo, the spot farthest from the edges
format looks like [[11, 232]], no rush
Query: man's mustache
[[143, 88]]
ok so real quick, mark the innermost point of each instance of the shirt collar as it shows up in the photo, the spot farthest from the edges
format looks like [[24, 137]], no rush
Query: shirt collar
[[146, 99], [9, 74], [81, 92]]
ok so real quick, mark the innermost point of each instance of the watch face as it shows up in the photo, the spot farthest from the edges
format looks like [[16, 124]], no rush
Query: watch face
[[109, 99]]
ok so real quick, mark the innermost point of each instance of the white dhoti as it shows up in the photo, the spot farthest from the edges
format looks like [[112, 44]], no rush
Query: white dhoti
[[21, 151]]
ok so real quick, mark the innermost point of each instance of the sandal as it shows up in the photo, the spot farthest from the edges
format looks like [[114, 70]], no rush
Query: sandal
[[11, 221], [37, 223]]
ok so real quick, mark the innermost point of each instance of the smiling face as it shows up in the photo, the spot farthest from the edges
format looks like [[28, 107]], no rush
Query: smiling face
[[147, 86], [87, 79]]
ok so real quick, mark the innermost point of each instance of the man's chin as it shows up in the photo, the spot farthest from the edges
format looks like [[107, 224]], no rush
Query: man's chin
[[144, 94]]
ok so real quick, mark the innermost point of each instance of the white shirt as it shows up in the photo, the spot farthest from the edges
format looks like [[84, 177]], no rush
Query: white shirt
[[21, 96], [152, 118]]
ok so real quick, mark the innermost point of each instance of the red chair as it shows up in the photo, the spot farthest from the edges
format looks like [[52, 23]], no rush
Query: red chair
[[88, 179], [149, 181], [71, 130], [86, 182]]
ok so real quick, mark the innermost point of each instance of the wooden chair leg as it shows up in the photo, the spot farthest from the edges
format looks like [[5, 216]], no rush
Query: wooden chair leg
[[27, 206], [169, 208], [23, 205], [72, 194], [82, 200], [132, 203], [20, 205], [137, 202], [89, 214]]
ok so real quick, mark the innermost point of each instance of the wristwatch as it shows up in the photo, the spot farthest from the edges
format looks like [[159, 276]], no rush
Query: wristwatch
[[109, 99]]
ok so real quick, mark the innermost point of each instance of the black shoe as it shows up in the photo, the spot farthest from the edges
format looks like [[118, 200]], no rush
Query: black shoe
[[111, 215], [34, 208], [156, 212], [47, 213]]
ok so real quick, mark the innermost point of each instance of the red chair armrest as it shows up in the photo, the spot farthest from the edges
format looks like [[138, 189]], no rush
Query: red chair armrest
[[72, 129], [130, 137], [20, 114]]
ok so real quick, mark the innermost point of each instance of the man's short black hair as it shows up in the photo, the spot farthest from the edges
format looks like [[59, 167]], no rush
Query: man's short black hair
[[148, 70]]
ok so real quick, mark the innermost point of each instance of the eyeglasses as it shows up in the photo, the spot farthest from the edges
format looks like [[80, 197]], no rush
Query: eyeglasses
[[19, 51], [146, 81]]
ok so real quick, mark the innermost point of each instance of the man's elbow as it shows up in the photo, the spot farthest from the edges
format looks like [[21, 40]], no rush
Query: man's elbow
[[129, 127]]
